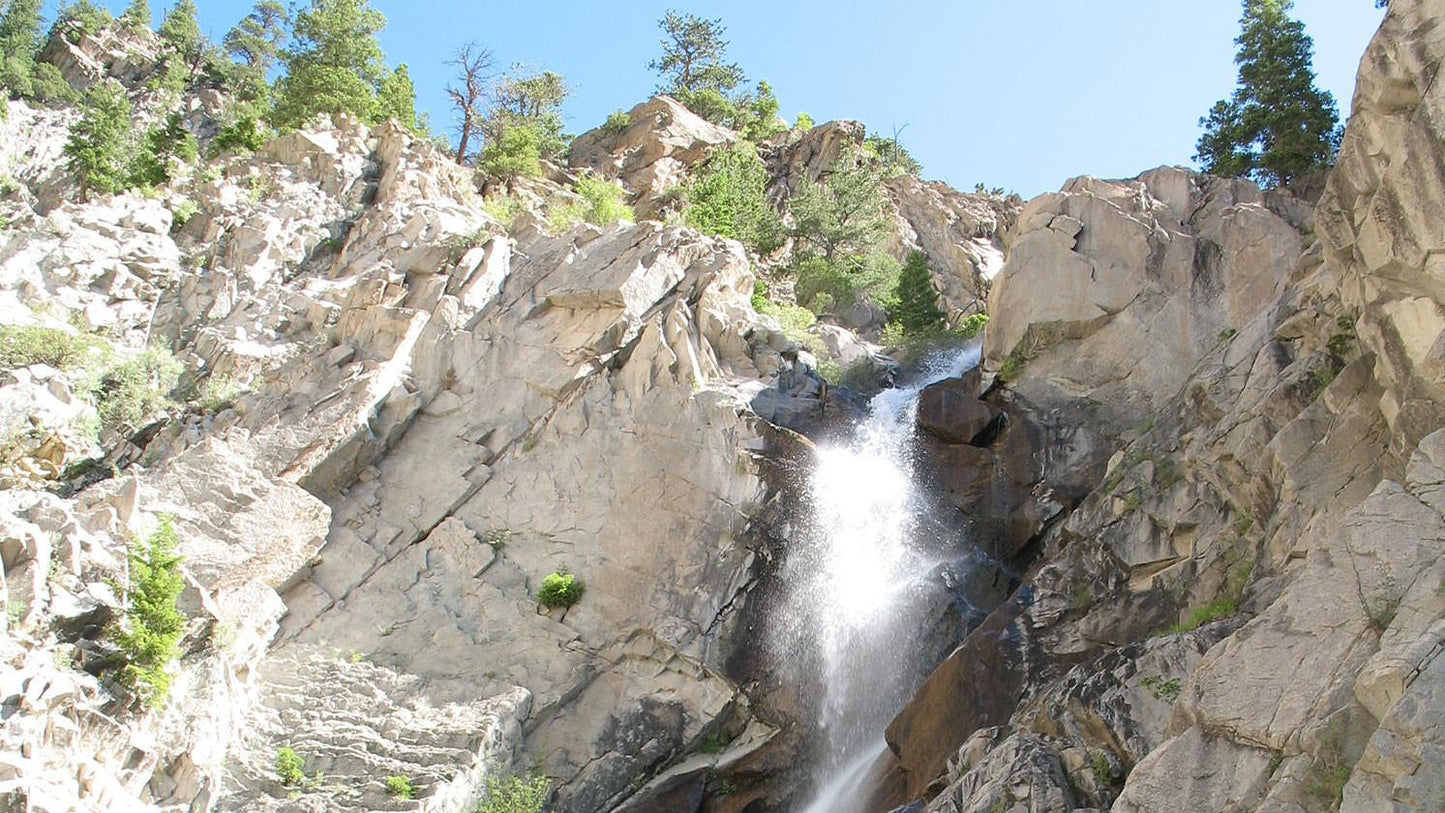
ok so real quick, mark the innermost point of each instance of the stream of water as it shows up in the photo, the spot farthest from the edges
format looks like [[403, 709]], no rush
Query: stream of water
[[859, 567]]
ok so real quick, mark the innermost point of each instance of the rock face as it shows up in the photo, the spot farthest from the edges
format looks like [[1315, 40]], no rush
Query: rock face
[[1237, 607], [652, 154]]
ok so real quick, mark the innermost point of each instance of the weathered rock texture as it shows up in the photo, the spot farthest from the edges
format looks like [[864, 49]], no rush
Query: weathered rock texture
[[1238, 606]]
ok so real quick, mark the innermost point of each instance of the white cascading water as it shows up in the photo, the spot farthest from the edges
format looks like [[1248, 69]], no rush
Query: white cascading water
[[857, 574]]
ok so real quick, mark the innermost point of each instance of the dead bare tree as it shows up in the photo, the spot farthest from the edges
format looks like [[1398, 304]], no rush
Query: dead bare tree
[[474, 65]]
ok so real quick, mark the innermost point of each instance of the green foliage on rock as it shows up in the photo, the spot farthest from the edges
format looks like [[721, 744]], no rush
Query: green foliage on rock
[[244, 134], [22, 346], [893, 157], [99, 146], [601, 204], [134, 391], [917, 309], [48, 86], [335, 65], [833, 286], [1277, 126], [529, 100], [400, 787], [727, 197], [515, 153], [515, 794], [78, 18], [617, 122], [151, 633], [396, 99], [560, 589], [290, 767]]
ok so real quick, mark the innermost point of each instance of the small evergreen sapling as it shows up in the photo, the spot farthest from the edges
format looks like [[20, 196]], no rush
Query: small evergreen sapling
[[151, 633]]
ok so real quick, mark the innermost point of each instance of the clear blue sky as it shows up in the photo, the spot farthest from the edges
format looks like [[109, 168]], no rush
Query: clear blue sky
[[1020, 94]]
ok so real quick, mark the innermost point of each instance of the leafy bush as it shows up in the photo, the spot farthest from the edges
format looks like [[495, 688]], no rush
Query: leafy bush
[[601, 205], [757, 119], [290, 767], [400, 787], [560, 589], [804, 123], [728, 198], [710, 104], [131, 392], [62, 349], [153, 626], [618, 121], [892, 156], [828, 286], [1214, 610], [515, 794], [183, 213]]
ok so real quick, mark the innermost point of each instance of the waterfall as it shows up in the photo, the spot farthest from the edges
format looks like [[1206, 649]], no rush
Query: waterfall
[[857, 573]]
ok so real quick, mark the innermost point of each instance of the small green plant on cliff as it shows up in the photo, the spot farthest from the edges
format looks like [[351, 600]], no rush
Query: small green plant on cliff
[[400, 787], [150, 634], [1328, 774], [560, 589], [290, 767], [1166, 691], [1214, 610], [1101, 769], [601, 205], [132, 392], [617, 121], [515, 794]]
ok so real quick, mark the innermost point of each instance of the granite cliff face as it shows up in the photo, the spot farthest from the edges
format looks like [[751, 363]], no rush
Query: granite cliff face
[[1237, 605], [1205, 435]]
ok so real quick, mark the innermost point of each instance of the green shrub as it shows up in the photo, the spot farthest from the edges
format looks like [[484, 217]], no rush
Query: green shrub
[[244, 135], [728, 198], [601, 205], [833, 285], [710, 104], [290, 767], [892, 156], [505, 209], [1166, 691], [517, 153], [560, 589], [618, 121], [62, 349], [183, 213], [804, 123], [133, 391], [400, 787], [515, 794], [151, 633]]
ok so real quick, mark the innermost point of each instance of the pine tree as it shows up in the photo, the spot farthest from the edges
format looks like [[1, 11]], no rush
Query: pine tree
[[19, 40], [181, 31], [1277, 125], [336, 65], [154, 625], [844, 215], [917, 310], [99, 145], [254, 43], [137, 16], [692, 66], [396, 98]]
